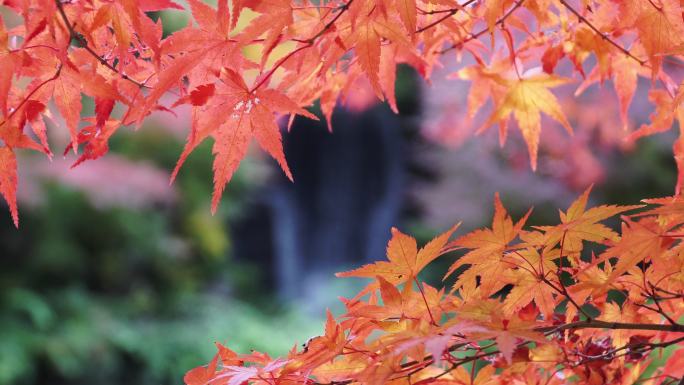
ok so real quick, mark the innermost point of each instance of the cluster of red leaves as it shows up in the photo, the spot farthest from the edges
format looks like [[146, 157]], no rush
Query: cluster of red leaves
[[114, 52], [572, 303]]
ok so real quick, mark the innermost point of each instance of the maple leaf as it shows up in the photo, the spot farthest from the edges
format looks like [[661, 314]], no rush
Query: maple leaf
[[487, 247], [579, 224], [275, 16], [625, 72], [197, 53], [407, 304], [463, 376], [405, 261], [237, 375], [251, 116], [96, 138], [407, 12], [526, 98], [529, 282], [507, 331], [493, 10], [485, 82], [8, 180], [612, 312], [67, 96], [640, 240], [201, 375], [321, 349], [339, 369], [367, 44], [660, 30], [592, 281], [437, 341]]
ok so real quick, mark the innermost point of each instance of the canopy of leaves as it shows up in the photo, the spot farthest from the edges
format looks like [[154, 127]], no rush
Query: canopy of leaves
[[116, 53]]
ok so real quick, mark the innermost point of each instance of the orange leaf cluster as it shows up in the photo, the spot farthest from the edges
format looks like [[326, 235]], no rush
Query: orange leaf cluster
[[574, 302]]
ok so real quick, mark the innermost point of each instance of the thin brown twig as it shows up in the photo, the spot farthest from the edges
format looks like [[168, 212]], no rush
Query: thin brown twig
[[308, 43], [564, 290], [483, 31], [28, 97], [448, 14], [604, 36], [598, 324], [427, 306], [660, 310], [84, 43]]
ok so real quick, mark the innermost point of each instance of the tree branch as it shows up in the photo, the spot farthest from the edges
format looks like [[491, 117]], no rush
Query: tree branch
[[598, 32], [75, 35], [478, 34], [308, 43], [28, 97], [449, 13], [598, 324]]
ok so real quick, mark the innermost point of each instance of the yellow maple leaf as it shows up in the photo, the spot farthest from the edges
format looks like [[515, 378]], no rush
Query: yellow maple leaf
[[526, 98], [487, 247]]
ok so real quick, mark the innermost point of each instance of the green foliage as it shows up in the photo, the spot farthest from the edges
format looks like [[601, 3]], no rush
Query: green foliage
[[71, 336], [118, 295]]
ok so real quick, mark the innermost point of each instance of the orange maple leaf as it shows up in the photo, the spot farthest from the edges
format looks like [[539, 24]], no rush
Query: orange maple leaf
[[487, 247], [251, 116], [405, 260], [579, 224], [8, 181]]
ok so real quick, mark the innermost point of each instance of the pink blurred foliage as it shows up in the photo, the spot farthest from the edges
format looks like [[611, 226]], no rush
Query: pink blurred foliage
[[112, 181], [575, 160]]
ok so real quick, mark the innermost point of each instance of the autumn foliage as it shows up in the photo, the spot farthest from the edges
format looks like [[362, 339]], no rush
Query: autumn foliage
[[530, 306], [571, 303]]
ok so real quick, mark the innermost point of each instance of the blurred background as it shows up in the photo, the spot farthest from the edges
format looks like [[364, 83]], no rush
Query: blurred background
[[117, 277]]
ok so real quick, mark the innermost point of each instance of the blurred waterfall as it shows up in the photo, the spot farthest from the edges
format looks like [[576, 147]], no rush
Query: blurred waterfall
[[347, 194]]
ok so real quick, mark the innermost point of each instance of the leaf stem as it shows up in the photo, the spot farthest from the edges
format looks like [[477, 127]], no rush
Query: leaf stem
[[427, 306]]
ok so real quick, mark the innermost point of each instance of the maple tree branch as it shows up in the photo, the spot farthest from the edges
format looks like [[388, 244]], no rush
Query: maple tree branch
[[598, 324], [84, 43], [436, 11], [636, 347], [343, 8], [657, 7], [308, 43], [28, 97], [563, 289], [604, 36], [449, 13], [630, 348], [483, 31], [659, 309]]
